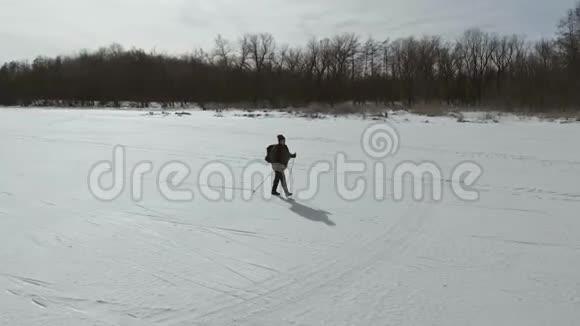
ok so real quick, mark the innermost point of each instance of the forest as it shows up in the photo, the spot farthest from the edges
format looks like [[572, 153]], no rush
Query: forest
[[478, 69]]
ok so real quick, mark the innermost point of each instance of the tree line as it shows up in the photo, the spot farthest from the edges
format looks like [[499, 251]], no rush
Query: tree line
[[477, 69]]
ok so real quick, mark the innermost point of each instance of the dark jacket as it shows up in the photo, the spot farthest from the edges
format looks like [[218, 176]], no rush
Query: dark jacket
[[281, 154]]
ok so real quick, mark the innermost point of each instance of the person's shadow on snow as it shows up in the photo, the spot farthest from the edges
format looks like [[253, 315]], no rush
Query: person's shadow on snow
[[309, 213]]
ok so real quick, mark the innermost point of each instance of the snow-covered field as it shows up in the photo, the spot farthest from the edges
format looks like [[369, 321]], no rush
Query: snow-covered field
[[66, 258]]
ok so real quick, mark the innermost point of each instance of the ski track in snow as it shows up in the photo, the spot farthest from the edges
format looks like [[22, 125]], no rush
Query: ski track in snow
[[68, 259]]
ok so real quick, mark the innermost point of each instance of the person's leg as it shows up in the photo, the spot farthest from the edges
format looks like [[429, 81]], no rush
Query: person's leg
[[276, 181], [284, 185]]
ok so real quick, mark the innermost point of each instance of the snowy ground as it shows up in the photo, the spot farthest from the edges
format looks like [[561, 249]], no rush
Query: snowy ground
[[66, 258]]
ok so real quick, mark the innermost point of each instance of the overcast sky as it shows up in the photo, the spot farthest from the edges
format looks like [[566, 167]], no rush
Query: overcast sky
[[51, 27]]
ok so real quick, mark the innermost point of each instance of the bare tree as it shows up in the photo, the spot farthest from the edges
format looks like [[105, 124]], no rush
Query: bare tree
[[223, 51], [476, 49], [504, 50], [569, 35], [370, 58], [405, 66], [344, 48], [262, 47], [244, 53], [294, 60]]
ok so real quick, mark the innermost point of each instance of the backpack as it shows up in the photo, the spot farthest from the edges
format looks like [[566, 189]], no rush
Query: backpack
[[270, 153]]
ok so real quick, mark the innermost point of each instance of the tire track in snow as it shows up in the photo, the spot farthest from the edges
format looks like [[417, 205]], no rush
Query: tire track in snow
[[26, 280], [157, 272], [166, 218], [162, 217], [527, 243], [302, 284]]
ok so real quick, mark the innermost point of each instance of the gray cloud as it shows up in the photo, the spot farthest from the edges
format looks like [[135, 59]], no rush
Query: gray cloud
[[51, 27]]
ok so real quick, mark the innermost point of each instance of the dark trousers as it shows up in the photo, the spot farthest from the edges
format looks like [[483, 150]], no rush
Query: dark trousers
[[280, 177]]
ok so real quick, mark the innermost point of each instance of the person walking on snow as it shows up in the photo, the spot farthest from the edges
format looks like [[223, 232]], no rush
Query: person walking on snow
[[279, 156]]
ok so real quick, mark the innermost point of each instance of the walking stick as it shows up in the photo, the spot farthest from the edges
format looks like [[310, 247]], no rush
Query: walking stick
[[292, 166], [262, 184]]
